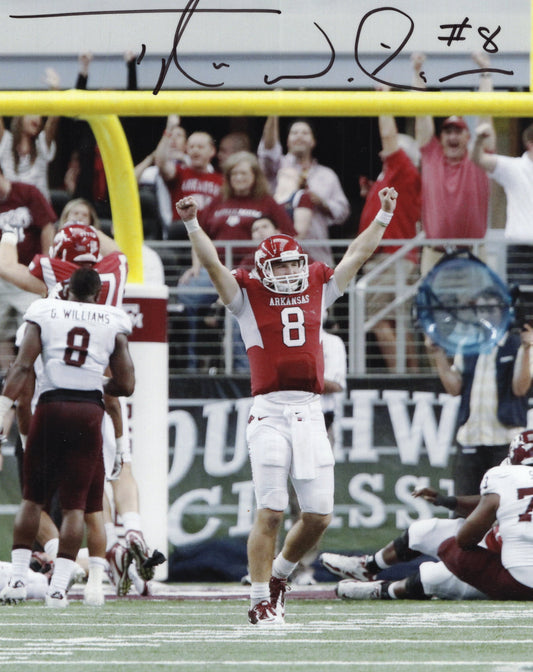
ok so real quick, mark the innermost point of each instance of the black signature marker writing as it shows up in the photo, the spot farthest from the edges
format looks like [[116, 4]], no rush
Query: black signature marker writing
[[141, 55], [142, 11], [475, 72], [328, 67], [453, 33]]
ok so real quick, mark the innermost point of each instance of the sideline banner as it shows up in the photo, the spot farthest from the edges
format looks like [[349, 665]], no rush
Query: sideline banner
[[391, 436]]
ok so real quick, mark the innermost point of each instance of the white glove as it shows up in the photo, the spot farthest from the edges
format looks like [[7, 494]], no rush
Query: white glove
[[119, 460]]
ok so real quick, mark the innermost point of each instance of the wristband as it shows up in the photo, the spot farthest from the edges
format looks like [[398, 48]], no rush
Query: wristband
[[383, 218], [192, 225], [448, 501], [10, 237]]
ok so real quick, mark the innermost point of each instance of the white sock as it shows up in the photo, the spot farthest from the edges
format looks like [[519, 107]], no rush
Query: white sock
[[51, 547], [20, 564], [63, 570], [96, 571], [259, 592], [131, 521], [378, 558], [391, 592], [282, 568], [111, 536]]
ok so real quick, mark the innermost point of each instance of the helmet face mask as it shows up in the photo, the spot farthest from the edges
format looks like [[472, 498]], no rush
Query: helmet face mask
[[521, 448], [282, 249], [76, 243]]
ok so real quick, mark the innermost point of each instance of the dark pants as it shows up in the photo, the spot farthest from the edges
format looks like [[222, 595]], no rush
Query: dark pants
[[471, 463]]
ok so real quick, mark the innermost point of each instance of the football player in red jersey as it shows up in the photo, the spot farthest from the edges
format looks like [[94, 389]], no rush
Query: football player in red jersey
[[74, 245], [279, 307]]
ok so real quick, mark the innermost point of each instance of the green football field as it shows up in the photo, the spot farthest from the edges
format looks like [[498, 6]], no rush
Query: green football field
[[320, 634]]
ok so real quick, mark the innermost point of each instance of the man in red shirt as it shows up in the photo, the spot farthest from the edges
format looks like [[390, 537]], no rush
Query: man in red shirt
[[398, 170], [198, 179], [455, 191], [279, 307]]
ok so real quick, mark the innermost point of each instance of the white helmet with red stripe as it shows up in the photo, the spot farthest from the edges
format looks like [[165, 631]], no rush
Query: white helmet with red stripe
[[282, 249], [76, 242], [521, 448]]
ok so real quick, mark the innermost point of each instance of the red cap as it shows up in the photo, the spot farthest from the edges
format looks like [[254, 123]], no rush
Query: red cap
[[459, 122]]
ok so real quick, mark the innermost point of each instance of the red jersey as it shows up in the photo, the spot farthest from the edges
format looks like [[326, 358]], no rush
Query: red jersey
[[28, 210], [112, 269], [232, 219], [398, 172], [204, 186], [283, 332]]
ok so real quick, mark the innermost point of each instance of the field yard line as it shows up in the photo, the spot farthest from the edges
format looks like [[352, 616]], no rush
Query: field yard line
[[509, 667]]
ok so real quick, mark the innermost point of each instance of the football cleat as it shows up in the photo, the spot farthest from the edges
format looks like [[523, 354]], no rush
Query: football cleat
[[13, 593], [263, 613], [119, 559], [347, 566], [56, 599], [140, 585], [144, 562], [278, 587], [359, 590]]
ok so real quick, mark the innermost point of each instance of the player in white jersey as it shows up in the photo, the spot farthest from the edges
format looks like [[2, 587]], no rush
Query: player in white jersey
[[77, 244], [279, 307], [361, 573], [506, 497], [77, 339]]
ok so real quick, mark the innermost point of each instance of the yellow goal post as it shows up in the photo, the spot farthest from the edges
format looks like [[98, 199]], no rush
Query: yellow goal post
[[102, 108]]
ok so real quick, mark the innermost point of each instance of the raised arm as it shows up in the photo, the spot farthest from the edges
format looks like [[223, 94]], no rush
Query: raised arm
[[15, 273], [221, 277], [388, 130], [162, 155], [366, 242], [483, 158], [52, 123], [424, 126], [271, 132], [482, 59]]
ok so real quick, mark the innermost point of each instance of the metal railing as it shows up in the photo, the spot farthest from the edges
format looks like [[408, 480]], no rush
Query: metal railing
[[350, 318]]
